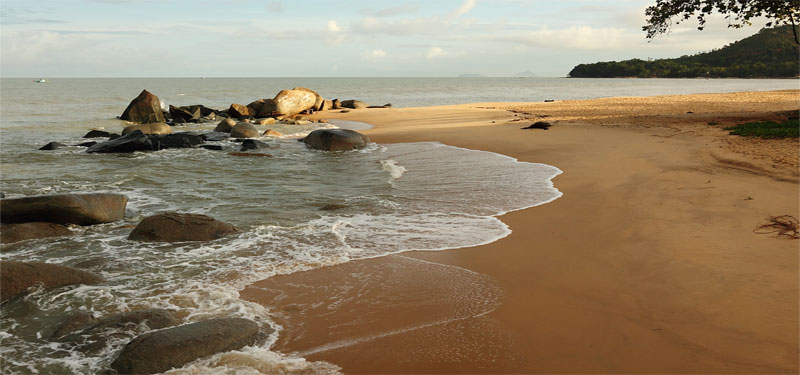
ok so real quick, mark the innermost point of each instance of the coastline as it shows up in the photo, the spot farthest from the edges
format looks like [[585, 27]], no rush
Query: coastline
[[648, 263]]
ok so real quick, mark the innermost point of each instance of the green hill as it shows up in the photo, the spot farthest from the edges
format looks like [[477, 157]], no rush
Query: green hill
[[772, 52]]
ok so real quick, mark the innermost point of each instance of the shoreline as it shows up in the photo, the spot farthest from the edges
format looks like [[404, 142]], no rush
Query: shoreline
[[647, 263]]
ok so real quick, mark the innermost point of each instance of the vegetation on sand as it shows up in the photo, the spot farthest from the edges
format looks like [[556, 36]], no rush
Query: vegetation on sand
[[767, 129]]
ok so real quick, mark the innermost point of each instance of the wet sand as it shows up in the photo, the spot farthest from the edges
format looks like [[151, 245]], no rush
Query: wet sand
[[648, 263]]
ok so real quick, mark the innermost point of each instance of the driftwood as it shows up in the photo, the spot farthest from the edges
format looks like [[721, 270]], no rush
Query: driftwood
[[538, 125], [784, 225]]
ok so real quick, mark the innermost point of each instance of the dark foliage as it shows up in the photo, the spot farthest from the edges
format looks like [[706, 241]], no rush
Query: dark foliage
[[767, 129]]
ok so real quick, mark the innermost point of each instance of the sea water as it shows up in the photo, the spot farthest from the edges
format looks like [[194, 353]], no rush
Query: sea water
[[390, 199]]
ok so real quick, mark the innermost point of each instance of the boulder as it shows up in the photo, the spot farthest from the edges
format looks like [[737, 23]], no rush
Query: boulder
[[97, 134], [176, 140], [271, 133], [354, 104], [212, 147], [133, 141], [387, 105], [75, 321], [17, 277], [244, 130], [225, 125], [52, 146], [325, 105], [93, 338], [87, 144], [266, 121], [152, 128], [252, 144], [81, 209], [30, 231], [239, 111], [292, 102], [204, 111], [336, 104], [317, 97], [335, 140], [159, 351], [215, 136], [185, 114], [268, 108], [179, 227], [144, 109]]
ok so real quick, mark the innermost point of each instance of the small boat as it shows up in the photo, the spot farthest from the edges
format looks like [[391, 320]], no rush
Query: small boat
[[41, 80]]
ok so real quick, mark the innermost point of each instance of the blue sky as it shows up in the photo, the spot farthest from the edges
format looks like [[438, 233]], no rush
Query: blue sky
[[312, 38]]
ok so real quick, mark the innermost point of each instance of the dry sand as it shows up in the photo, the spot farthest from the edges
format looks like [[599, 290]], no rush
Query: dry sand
[[647, 264]]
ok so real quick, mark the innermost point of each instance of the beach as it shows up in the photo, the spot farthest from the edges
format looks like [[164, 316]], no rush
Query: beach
[[648, 263]]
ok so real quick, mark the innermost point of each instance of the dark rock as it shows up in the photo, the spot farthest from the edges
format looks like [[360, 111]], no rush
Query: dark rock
[[30, 231], [92, 339], [17, 277], [268, 108], [387, 105], [215, 136], [376, 106], [253, 144], [152, 128], [179, 227], [225, 125], [244, 130], [549, 100], [52, 146], [185, 114], [212, 147], [335, 139], [177, 140], [114, 136], [239, 111], [159, 351], [332, 207], [336, 104], [76, 321], [250, 154], [354, 104], [87, 144], [81, 209], [97, 134], [539, 125], [292, 102], [144, 109], [131, 142]]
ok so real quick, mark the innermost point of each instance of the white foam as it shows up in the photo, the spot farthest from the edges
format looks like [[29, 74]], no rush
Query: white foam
[[395, 171]]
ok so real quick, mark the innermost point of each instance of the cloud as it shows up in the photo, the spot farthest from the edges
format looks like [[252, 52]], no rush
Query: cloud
[[394, 11], [465, 7], [372, 25], [333, 26], [375, 54], [334, 34]]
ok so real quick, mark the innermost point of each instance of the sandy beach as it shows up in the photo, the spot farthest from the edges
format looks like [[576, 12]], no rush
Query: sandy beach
[[647, 264]]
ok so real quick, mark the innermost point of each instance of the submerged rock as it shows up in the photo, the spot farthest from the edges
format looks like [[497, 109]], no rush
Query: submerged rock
[[91, 339], [52, 146], [131, 142], [17, 277], [244, 130], [177, 140], [144, 109], [97, 134], [153, 128], [81, 209], [336, 140], [30, 231], [225, 125], [159, 351], [179, 227], [253, 144]]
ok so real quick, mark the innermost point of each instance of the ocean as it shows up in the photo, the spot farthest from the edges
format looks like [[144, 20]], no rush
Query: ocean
[[395, 198]]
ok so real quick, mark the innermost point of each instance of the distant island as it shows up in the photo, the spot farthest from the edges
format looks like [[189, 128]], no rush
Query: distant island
[[770, 53]]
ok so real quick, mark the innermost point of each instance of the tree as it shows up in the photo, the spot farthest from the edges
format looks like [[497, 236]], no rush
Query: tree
[[737, 12]]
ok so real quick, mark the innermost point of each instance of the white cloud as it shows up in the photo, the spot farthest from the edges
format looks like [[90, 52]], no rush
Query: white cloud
[[375, 54], [465, 7], [333, 26], [435, 52], [334, 34]]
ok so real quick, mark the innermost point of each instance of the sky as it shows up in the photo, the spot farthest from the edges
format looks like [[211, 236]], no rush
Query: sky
[[343, 38]]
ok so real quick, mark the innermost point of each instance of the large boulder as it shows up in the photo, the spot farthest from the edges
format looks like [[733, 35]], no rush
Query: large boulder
[[335, 140], [92, 338], [176, 140], [146, 108], [153, 128], [268, 108], [318, 99], [30, 231], [159, 351], [239, 111], [185, 114], [17, 277], [179, 227], [81, 209], [292, 102], [244, 130], [225, 125], [131, 142], [354, 104], [94, 133]]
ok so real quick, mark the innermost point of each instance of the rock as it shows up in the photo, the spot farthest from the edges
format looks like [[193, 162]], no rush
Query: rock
[[345, 111], [291, 102], [17, 277], [97, 134], [272, 133], [215, 136], [225, 125], [317, 97], [335, 140], [87, 144], [376, 106], [244, 130], [152, 128], [252, 144], [131, 142], [185, 114], [238, 111], [256, 154], [269, 108], [204, 111], [266, 121], [212, 147], [81, 209], [179, 227], [387, 105], [538, 125], [210, 116], [144, 109], [325, 105], [76, 321], [332, 207], [92, 339], [354, 104], [159, 351], [30, 231], [336, 104], [177, 140], [52, 146]]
